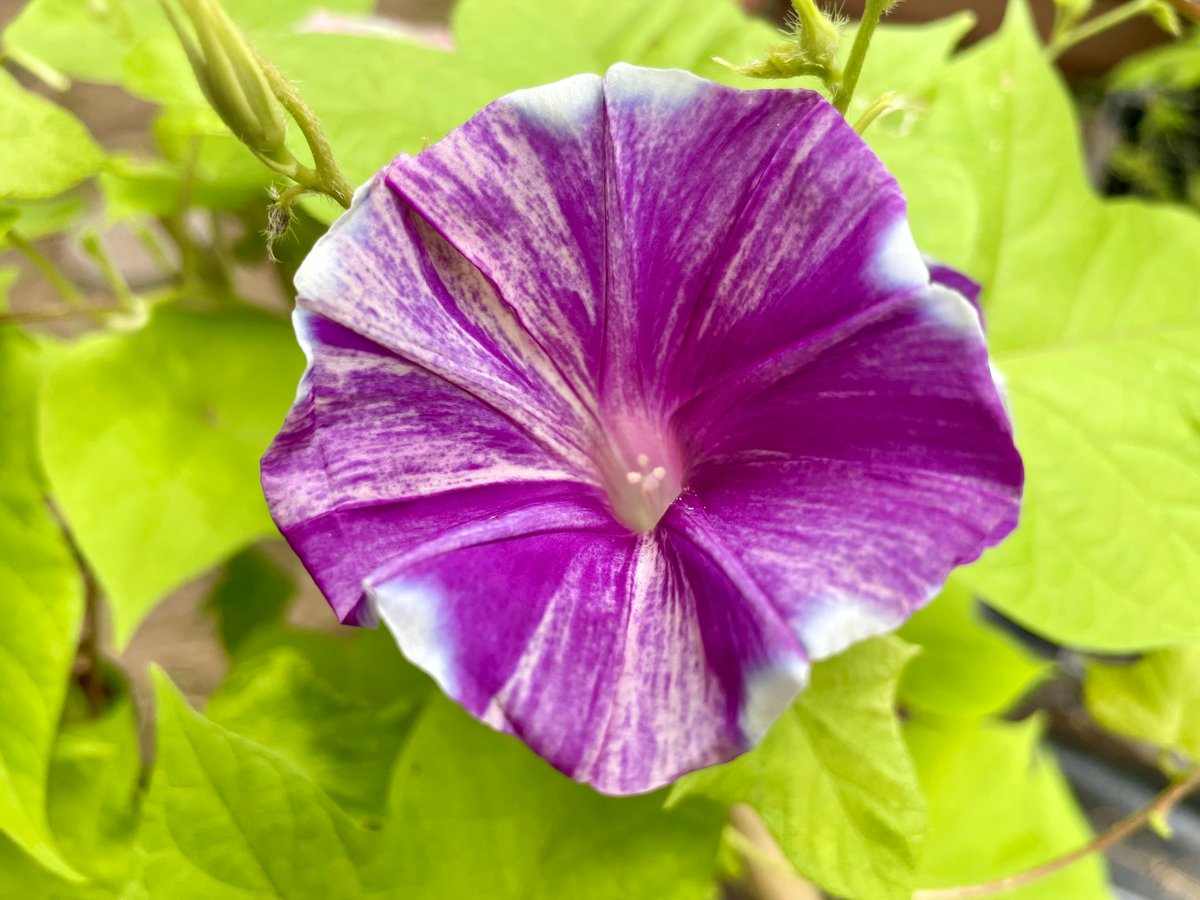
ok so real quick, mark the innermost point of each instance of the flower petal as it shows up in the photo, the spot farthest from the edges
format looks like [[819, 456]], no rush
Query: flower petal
[[382, 272], [373, 438], [854, 486], [950, 277], [623, 659], [519, 191], [780, 225]]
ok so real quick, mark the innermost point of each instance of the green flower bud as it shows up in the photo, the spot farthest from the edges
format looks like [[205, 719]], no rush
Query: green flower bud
[[817, 36], [1166, 17], [809, 48], [230, 73]]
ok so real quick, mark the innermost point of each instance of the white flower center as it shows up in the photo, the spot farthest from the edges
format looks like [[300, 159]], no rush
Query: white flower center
[[643, 477]]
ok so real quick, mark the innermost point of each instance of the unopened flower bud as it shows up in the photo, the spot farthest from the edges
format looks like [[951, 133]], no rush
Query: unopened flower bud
[[1166, 17], [231, 75], [809, 48], [816, 34]]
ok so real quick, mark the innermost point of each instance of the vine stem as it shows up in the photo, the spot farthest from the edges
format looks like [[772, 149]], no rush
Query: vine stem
[[90, 657], [328, 178], [1095, 26], [872, 13], [1159, 807], [35, 317], [65, 287]]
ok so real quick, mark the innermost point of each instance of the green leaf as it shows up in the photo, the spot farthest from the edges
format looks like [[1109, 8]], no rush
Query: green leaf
[[998, 805], [1156, 700], [151, 441], [1173, 66], [832, 779], [90, 40], [43, 602], [227, 818], [966, 668], [94, 775], [24, 877], [253, 593], [338, 707], [476, 814], [34, 219], [1094, 320], [81, 40], [43, 148]]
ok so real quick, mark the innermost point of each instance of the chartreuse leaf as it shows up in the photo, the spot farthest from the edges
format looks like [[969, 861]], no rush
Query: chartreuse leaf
[[92, 801], [228, 818], [998, 805], [338, 707], [1094, 320], [1156, 699], [966, 668], [43, 148], [82, 40], [89, 40], [476, 814], [151, 441], [21, 876], [33, 219], [832, 779], [42, 596], [1173, 66]]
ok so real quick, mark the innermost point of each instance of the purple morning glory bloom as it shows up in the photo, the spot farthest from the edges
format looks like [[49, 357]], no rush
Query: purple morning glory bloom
[[628, 400]]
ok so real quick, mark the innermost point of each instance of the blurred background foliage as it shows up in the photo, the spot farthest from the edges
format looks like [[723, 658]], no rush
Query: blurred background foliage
[[146, 360]]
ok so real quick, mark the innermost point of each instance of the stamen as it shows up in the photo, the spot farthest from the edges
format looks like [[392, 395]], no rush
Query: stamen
[[640, 493]]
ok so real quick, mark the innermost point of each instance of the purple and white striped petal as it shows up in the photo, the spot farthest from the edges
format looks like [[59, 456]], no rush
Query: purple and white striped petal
[[625, 660], [855, 485], [377, 451], [530, 169], [383, 272]]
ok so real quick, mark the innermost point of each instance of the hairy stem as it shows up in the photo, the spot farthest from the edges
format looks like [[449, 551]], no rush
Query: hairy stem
[[1160, 807], [872, 13], [327, 178]]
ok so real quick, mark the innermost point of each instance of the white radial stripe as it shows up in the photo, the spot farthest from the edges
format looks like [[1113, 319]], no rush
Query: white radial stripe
[[769, 691], [412, 613], [898, 264], [565, 105], [828, 626], [952, 309]]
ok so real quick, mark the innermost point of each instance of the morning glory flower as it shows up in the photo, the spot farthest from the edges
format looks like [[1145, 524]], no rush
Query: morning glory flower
[[626, 402]]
